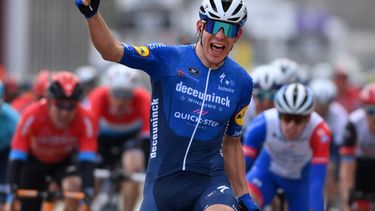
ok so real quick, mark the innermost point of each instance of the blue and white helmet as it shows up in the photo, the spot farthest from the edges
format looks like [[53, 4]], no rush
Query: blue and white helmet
[[289, 70], [294, 99], [325, 90], [231, 11], [266, 77]]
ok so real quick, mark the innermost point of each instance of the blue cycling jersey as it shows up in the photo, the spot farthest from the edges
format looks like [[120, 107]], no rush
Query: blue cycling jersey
[[192, 106], [8, 122]]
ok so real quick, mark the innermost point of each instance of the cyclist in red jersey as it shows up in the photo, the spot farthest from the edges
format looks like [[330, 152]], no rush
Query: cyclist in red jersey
[[38, 91], [47, 138], [122, 111]]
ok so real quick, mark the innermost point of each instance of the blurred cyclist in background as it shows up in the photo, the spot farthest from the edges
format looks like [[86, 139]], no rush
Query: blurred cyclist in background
[[47, 138], [336, 117], [8, 123], [267, 80], [122, 110], [89, 79], [38, 91], [198, 104], [347, 93], [289, 70], [295, 151], [358, 153]]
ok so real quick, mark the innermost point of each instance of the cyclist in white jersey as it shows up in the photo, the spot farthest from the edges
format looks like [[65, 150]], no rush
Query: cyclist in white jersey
[[337, 118], [295, 151]]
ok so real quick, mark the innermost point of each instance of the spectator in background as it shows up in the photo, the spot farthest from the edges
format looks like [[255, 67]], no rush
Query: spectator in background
[[8, 123], [38, 91]]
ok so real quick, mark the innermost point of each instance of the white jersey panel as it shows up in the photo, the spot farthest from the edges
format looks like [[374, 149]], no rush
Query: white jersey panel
[[288, 156], [337, 119]]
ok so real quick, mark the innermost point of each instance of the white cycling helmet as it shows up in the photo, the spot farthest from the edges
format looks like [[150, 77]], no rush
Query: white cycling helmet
[[121, 80], [231, 11], [266, 77], [288, 69], [294, 99], [324, 90], [87, 74]]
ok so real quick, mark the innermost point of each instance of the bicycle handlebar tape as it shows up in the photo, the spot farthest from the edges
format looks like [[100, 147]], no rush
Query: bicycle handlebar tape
[[247, 204], [89, 10]]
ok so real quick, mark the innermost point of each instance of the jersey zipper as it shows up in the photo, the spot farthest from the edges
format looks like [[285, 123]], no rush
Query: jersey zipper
[[199, 120]]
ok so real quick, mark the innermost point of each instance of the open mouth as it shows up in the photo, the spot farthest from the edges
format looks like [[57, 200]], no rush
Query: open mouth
[[217, 47]]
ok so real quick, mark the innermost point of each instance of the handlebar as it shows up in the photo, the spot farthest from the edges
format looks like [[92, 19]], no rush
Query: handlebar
[[31, 193]]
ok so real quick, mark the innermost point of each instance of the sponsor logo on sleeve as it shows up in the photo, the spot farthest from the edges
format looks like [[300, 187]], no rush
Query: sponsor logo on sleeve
[[142, 51], [240, 116]]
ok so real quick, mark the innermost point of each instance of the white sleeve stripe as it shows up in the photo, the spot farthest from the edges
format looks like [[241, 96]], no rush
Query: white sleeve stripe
[[27, 124], [89, 129]]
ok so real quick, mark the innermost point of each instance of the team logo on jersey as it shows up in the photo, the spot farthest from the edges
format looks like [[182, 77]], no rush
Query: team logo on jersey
[[142, 50], [181, 73], [193, 71], [240, 116], [222, 188], [323, 136]]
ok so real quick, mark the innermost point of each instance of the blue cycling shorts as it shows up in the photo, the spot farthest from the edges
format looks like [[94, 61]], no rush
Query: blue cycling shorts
[[186, 190]]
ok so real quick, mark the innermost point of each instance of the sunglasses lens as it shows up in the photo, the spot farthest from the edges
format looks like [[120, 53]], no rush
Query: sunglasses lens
[[370, 110], [298, 119], [264, 95], [122, 93], [65, 105], [213, 27]]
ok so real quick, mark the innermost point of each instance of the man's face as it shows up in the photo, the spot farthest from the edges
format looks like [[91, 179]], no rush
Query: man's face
[[293, 126], [215, 46], [62, 112], [119, 106], [263, 100]]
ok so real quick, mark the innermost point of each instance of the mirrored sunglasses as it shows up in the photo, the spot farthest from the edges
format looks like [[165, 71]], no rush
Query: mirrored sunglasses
[[65, 105], [213, 27], [298, 119], [370, 110]]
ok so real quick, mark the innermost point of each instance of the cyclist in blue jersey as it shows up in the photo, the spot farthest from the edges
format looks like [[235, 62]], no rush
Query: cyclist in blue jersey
[[8, 122], [198, 103], [291, 145]]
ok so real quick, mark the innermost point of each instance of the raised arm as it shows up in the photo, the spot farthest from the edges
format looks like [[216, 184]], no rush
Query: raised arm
[[235, 168], [101, 36]]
